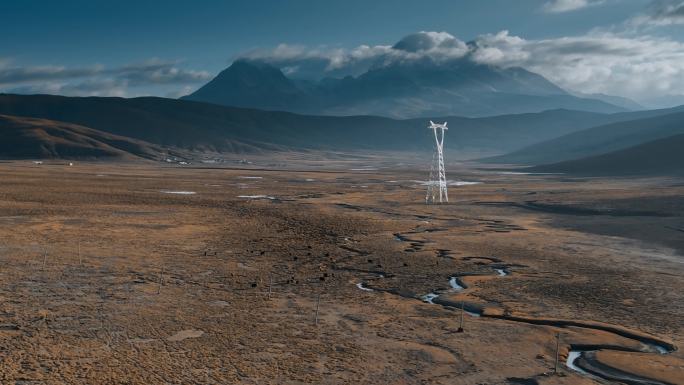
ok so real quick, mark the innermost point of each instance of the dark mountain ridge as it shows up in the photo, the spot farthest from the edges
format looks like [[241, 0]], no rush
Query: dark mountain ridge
[[658, 157], [644, 126], [203, 126], [259, 84]]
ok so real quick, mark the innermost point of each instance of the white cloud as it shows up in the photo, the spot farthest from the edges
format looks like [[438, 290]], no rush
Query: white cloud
[[155, 71], [636, 67], [95, 80], [661, 13], [561, 6], [88, 87], [322, 61], [13, 75]]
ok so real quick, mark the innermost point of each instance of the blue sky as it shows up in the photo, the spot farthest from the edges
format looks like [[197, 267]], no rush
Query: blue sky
[[166, 48]]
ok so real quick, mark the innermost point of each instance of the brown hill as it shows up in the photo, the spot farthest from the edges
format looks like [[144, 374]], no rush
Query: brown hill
[[30, 138]]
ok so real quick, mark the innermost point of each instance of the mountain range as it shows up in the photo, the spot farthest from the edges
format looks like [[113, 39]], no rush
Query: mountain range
[[209, 127], [400, 90], [575, 142]]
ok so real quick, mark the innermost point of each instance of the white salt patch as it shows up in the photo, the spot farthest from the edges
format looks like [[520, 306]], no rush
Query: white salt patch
[[501, 272], [251, 177], [220, 303], [256, 197], [179, 192], [184, 334], [310, 180]]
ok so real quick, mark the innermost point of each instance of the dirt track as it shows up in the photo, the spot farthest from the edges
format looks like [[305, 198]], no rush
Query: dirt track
[[172, 287]]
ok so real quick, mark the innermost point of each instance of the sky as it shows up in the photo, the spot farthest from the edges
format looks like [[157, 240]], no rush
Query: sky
[[630, 48]]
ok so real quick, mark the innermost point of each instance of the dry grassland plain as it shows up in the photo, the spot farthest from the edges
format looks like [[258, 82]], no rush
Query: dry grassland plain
[[149, 274]]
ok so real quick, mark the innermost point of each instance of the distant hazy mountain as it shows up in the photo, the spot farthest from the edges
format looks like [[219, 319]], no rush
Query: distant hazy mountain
[[665, 101], [203, 126], [619, 101], [659, 157], [416, 89], [29, 138], [644, 126]]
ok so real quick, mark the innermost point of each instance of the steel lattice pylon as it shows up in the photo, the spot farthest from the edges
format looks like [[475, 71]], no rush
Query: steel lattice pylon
[[437, 179]]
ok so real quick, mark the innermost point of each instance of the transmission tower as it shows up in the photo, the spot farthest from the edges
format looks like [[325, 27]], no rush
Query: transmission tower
[[437, 179]]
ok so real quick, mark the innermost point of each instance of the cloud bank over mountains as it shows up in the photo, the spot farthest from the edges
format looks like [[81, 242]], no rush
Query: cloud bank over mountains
[[632, 59], [599, 62]]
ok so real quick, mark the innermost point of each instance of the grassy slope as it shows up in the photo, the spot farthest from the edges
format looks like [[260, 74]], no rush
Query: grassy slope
[[32, 138], [659, 157], [644, 127]]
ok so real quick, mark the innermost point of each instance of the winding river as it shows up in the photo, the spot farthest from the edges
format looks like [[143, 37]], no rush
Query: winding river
[[581, 358]]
